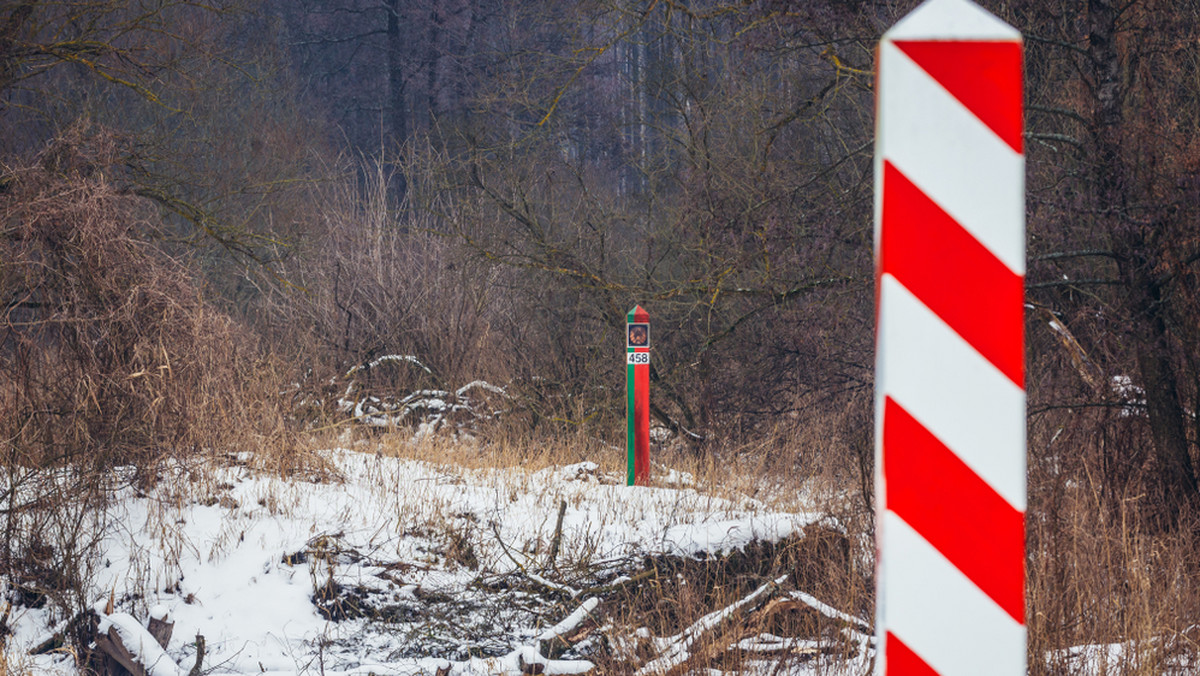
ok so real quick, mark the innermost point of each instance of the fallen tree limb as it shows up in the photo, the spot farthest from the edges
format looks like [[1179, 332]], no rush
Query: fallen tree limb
[[123, 639], [49, 645], [571, 621], [831, 612], [620, 583], [679, 646], [552, 586], [553, 641]]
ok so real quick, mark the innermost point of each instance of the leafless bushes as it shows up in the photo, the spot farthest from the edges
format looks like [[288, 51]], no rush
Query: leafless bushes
[[1108, 590], [111, 362], [374, 286], [1111, 586]]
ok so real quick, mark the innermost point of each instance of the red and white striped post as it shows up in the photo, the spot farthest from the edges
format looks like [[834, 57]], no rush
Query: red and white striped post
[[950, 397], [637, 396]]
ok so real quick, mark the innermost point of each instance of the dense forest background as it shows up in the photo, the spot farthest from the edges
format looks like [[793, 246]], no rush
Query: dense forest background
[[204, 204]]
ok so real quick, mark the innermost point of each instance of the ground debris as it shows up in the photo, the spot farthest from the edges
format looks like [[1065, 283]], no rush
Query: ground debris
[[588, 616]]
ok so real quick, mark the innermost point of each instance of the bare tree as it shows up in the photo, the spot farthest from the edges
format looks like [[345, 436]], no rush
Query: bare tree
[[1113, 157], [681, 158]]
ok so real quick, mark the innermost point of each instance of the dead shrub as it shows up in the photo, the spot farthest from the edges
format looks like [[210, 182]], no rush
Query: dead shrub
[[111, 363], [1108, 590], [383, 307]]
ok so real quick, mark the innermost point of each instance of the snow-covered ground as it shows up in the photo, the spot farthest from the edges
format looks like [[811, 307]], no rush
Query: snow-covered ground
[[393, 566]]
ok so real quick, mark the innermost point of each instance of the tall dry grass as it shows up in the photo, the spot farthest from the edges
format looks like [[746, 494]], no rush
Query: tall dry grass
[[1110, 590], [113, 365]]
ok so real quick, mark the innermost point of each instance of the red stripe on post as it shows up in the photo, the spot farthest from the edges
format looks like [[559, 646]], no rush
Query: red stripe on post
[[984, 76], [954, 275], [902, 661], [953, 509], [641, 423]]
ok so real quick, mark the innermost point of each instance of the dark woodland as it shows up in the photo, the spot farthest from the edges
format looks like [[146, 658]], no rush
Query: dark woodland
[[204, 204]]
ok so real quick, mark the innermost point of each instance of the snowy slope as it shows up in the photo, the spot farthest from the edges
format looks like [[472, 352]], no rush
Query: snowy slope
[[287, 575]]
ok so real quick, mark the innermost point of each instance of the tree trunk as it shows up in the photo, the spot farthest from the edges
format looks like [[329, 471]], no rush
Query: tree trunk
[[433, 66], [1133, 246], [1164, 408], [397, 99]]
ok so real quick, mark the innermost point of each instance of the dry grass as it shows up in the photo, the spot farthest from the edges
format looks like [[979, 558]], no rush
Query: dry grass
[[115, 371], [799, 466], [113, 368], [1098, 578], [1101, 569], [832, 563]]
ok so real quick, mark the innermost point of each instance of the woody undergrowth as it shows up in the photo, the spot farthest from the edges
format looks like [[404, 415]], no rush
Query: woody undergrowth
[[115, 371], [1110, 588]]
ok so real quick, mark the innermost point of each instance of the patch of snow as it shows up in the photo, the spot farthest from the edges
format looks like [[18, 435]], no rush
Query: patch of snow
[[140, 644], [243, 571], [1123, 387], [389, 358], [580, 471], [480, 384], [726, 535], [570, 621], [674, 477]]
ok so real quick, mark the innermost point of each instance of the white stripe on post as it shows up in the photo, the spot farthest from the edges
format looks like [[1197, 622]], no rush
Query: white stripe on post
[[950, 398], [953, 157], [991, 642], [987, 418]]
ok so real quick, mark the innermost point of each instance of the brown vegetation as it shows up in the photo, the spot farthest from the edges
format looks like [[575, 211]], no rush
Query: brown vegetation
[[190, 265], [112, 365]]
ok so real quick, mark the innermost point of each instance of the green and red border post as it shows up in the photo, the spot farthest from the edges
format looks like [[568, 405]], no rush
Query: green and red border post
[[637, 395]]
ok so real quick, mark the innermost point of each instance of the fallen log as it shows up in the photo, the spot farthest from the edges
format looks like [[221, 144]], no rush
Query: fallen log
[[553, 641], [678, 650], [137, 651]]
